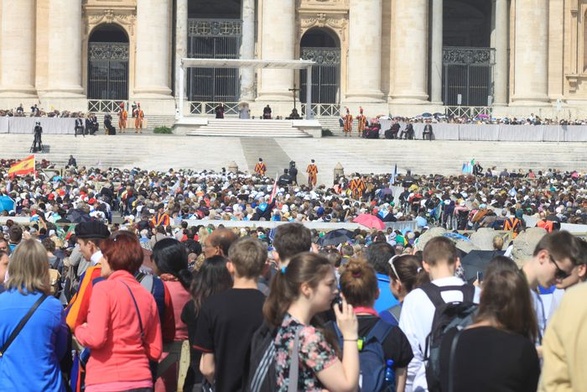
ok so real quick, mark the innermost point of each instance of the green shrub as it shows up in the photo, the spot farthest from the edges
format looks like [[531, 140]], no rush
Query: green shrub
[[326, 132], [162, 129]]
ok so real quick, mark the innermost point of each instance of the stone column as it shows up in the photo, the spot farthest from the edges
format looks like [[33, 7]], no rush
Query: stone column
[[247, 51], [277, 43], [436, 53], [65, 49], [17, 52], [501, 34], [531, 52], [181, 47], [411, 51], [364, 56], [152, 72]]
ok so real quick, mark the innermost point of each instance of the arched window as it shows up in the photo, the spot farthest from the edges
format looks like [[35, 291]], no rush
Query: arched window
[[322, 46], [108, 63]]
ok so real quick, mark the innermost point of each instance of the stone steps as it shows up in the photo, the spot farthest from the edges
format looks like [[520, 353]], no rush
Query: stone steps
[[332, 124], [161, 152], [230, 127]]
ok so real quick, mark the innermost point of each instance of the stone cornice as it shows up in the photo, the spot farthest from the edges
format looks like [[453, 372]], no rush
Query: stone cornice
[[322, 19], [323, 5]]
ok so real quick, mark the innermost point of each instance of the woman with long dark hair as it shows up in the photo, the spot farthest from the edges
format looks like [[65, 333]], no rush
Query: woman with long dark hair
[[171, 265], [306, 287], [497, 352], [405, 274], [212, 278]]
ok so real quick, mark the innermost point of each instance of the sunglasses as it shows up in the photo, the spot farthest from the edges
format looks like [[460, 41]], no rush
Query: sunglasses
[[560, 274], [393, 258]]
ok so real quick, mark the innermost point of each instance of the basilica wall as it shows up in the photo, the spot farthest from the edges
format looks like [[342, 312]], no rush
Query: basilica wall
[[389, 59]]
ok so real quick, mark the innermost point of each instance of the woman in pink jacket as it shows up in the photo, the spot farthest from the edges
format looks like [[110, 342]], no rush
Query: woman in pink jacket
[[123, 330]]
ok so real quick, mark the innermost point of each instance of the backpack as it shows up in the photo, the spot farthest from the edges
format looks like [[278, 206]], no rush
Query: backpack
[[447, 315], [154, 285], [395, 312], [262, 377], [372, 359]]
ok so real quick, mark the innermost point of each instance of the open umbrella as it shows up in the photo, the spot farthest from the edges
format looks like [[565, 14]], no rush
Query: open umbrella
[[336, 237], [370, 221], [6, 203], [476, 261], [426, 115]]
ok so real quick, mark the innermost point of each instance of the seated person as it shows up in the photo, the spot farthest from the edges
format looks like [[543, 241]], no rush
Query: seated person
[[408, 132], [392, 132], [294, 115]]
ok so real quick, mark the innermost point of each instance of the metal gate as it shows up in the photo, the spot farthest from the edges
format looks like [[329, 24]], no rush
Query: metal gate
[[468, 72], [325, 74], [210, 39], [108, 70]]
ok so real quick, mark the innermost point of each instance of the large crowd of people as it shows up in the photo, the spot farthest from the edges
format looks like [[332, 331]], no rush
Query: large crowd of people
[[132, 284]]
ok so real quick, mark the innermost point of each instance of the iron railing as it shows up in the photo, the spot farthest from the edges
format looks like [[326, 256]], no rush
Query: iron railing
[[468, 111], [323, 109], [104, 105], [208, 108]]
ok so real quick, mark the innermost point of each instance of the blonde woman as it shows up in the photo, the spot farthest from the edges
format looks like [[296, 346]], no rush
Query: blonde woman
[[43, 337]]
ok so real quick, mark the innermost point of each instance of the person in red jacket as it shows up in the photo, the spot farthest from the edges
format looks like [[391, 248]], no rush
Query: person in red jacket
[[123, 330]]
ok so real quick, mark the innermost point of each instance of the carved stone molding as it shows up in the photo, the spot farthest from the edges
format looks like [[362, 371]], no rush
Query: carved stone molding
[[322, 19], [125, 17]]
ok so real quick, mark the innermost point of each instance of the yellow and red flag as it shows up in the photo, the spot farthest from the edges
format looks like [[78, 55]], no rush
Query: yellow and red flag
[[26, 166]]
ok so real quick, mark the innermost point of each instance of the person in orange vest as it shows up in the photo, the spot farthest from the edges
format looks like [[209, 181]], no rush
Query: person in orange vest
[[361, 122], [547, 225], [312, 171], [357, 187], [260, 167], [347, 123], [122, 117], [139, 115], [513, 224], [161, 218]]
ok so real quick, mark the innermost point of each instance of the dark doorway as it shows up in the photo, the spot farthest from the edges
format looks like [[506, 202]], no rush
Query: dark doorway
[[468, 58], [108, 63], [323, 47]]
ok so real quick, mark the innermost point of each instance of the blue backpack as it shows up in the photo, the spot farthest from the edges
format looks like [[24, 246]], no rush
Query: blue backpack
[[372, 359]]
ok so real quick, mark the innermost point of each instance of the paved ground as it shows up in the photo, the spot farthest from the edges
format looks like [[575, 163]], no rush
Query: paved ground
[[161, 152]]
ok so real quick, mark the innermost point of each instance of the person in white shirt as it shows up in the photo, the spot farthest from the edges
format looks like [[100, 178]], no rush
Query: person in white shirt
[[440, 260]]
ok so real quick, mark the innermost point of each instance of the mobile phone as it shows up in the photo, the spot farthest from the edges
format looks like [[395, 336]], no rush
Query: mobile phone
[[479, 276], [338, 301]]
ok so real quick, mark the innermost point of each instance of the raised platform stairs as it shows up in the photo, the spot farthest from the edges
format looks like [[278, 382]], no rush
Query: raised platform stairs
[[232, 127]]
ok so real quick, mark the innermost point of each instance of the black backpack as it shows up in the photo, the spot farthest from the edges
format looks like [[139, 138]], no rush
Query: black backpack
[[447, 315], [262, 377]]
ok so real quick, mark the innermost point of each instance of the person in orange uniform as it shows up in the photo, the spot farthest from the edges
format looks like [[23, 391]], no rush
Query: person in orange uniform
[[260, 167], [347, 123], [361, 122], [312, 171], [139, 116], [161, 218], [357, 187], [122, 117]]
